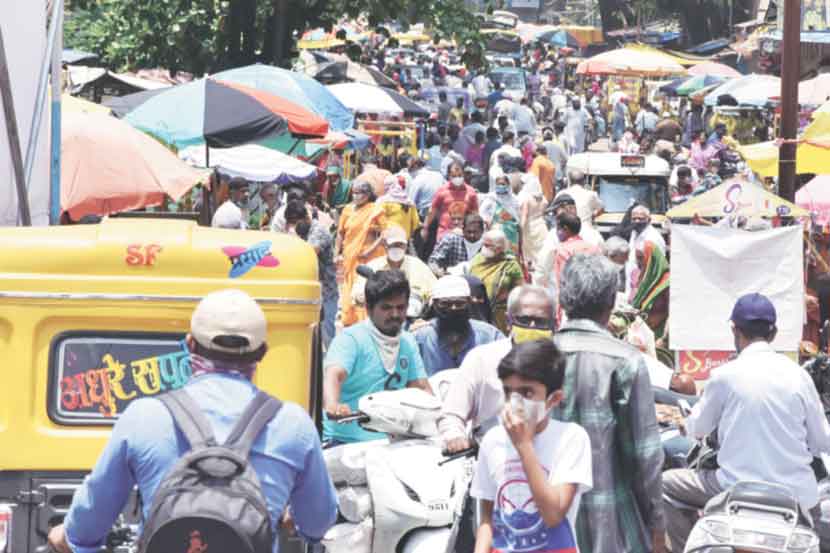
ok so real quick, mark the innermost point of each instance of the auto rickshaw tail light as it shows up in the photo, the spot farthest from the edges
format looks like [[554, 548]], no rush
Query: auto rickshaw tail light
[[5, 526]]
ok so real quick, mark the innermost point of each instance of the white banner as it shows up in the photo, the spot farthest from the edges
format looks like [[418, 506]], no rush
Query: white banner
[[712, 267]]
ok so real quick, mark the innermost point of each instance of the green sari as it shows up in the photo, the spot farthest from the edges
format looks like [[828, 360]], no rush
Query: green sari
[[499, 276], [654, 282]]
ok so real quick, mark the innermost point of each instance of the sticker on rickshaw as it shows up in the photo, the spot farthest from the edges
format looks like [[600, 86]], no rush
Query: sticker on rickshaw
[[94, 376], [244, 259]]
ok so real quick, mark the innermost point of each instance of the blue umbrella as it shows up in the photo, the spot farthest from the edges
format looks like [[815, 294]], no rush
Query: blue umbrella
[[296, 88], [561, 38]]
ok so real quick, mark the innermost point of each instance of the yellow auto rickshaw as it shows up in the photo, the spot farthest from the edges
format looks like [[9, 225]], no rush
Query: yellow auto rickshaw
[[92, 317]]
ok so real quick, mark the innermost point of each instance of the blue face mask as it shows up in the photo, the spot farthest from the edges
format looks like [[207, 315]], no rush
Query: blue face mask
[[502, 189]]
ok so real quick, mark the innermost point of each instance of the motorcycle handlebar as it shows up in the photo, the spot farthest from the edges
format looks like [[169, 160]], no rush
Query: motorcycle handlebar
[[352, 417], [469, 452]]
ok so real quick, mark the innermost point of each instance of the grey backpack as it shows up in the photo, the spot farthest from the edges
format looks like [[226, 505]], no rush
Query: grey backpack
[[211, 500]]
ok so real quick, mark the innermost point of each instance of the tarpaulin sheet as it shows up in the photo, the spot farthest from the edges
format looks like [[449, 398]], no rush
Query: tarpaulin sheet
[[712, 267]]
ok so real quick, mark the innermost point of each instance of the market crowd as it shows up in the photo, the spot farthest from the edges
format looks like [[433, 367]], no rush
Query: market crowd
[[480, 251]]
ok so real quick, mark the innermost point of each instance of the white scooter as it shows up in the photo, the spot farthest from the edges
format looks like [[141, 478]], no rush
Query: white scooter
[[753, 517], [399, 494]]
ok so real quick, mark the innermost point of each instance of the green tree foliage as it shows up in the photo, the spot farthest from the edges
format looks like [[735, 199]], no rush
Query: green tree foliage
[[201, 36]]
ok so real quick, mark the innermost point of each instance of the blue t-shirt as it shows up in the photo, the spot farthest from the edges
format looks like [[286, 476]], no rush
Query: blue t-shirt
[[355, 350], [436, 354]]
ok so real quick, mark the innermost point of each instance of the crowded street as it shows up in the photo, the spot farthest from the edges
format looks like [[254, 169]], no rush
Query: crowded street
[[537, 276]]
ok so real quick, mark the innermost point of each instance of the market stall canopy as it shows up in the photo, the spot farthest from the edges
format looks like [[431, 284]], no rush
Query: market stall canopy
[[362, 98], [815, 198], [339, 71], [750, 90], [222, 114], [71, 57], [561, 38], [293, 87], [811, 155], [714, 69], [736, 196], [122, 105], [630, 61], [251, 162], [107, 166]]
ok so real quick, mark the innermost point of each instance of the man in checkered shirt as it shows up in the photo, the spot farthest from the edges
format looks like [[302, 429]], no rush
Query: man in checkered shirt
[[457, 248]]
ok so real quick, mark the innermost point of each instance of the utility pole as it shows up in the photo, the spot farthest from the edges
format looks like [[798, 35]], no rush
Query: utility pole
[[790, 74]]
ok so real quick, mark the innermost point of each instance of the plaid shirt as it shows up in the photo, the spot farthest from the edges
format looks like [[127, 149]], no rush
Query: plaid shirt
[[608, 392], [449, 252]]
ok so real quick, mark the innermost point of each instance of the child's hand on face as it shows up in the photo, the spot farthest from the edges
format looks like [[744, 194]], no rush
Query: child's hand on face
[[518, 428]]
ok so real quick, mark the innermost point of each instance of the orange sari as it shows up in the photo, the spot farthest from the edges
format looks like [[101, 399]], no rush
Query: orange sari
[[358, 228]]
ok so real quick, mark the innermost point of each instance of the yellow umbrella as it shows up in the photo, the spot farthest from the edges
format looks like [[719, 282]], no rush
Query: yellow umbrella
[[811, 155], [73, 104], [736, 196], [324, 44]]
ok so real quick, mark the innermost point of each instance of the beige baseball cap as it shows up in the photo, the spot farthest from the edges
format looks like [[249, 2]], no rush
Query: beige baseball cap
[[229, 321]]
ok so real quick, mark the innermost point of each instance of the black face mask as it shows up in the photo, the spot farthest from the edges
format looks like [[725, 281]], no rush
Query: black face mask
[[639, 227], [456, 322]]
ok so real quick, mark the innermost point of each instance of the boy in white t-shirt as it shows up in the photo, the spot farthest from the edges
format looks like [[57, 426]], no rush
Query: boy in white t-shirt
[[531, 470]]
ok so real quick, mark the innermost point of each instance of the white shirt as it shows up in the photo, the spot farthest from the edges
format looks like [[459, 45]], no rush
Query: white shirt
[[587, 202], [507, 149], [228, 215], [505, 107], [476, 393], [564, 451], [482, 86], [770, 421], [525, 119]]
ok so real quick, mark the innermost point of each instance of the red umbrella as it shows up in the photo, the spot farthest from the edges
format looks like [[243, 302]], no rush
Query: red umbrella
[[714, 69]]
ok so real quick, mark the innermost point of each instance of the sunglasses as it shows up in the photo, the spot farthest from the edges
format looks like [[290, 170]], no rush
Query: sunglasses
[[531, 322]]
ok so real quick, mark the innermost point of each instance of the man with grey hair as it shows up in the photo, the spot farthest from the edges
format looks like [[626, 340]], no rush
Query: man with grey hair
[[476, 393], [608, 392], [616, 249]]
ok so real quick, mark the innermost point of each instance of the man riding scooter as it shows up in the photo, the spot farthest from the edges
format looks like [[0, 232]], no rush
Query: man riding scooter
[[760, 400]]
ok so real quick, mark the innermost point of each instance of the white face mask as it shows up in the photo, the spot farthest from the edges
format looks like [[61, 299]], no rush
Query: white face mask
[[395, 255], [488, 253], [533, 411], [457, 181]]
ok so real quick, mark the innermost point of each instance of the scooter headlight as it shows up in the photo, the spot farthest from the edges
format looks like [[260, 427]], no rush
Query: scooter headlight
[[717, 529], [802, 542]]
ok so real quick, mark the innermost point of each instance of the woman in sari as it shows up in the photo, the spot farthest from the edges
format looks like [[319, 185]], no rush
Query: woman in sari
[[532, 218], [496, 266], [500, 209], [358, 241], [652, 293]]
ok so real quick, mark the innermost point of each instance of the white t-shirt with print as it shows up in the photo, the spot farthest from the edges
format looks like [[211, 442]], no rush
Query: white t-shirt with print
[[564, 450]]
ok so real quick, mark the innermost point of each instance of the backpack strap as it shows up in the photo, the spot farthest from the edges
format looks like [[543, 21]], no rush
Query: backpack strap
[[188, 417], [259, 412]]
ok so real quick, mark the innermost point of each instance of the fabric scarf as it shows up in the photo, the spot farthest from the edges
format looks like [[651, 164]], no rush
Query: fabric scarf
[[202, 365], [472, 247], [396, 191], [655, 278], [388, 347]]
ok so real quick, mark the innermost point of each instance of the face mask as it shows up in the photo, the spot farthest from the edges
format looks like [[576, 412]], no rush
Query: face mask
[[488, 253], [395, 255], [522, 334], [532, 411], [457, 181], [640, 227], [453, 321], [502, 189]]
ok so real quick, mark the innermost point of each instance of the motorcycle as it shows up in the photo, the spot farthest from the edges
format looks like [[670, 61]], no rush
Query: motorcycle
[[400, 494]]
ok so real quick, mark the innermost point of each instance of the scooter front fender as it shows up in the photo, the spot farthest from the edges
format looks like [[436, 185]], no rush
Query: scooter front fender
[[426, 540]]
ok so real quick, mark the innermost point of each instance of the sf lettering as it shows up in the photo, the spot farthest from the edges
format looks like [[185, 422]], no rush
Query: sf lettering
[[142, 255]]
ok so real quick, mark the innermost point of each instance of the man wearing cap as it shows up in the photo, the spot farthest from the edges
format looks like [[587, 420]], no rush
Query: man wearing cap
[[446, 340], [420, 277], [371, 356], [769, 419], [226, 342], [475, 395]]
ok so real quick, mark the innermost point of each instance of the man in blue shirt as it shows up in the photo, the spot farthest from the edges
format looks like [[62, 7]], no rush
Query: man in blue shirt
[[371, 356], [447, 339], [226, 341]]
